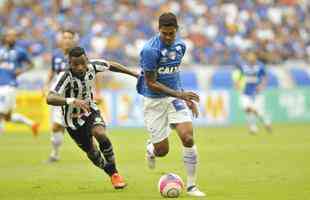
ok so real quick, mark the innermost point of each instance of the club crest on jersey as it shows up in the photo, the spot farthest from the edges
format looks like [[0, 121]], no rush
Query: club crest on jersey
[[172, 55], [164, 52]]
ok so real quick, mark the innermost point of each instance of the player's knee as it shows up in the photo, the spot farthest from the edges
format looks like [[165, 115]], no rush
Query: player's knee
[[161, 152], [57, 128], [7, 117], [248, 110], [98, 132], [188, 140]]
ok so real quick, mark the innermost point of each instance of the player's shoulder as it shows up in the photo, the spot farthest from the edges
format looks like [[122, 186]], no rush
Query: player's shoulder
[[98, 61], [93, 64], [20, 49], [152, 44], [179, 42]]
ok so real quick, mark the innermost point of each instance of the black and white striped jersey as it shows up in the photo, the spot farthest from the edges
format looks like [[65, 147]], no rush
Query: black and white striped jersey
[[70, 86]]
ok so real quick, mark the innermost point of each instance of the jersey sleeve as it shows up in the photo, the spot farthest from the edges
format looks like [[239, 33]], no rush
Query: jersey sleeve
[[262, 71], [183, 49], [100, 65], [53, 63], [23, 56], [63, 81], [149, 58]]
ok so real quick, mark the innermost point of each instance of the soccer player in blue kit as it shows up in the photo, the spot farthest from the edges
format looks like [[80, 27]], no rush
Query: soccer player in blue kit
[[165, 104], [14, 61], [253, 73]]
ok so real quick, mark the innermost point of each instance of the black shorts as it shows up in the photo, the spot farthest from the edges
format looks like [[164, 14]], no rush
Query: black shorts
[[82, 135]]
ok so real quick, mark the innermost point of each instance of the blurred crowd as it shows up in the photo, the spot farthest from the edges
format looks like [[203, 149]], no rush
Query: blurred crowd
[[216, 32]]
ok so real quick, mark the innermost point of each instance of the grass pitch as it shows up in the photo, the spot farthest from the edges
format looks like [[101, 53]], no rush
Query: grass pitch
[[233, 166]]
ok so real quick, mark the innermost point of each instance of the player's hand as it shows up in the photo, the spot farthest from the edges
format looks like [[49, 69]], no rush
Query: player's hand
[[97, 99], [189, 96], [259, 88], [84, 105], [44, 91], [193, 107], [18, 72]]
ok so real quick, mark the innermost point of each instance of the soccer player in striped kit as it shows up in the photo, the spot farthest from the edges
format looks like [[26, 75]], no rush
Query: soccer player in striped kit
[[73, 92]]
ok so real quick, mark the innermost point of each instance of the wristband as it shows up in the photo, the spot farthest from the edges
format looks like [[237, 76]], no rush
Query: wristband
[[70, 101]]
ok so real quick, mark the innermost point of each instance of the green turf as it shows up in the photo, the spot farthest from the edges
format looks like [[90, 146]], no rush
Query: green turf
[[233, 166]]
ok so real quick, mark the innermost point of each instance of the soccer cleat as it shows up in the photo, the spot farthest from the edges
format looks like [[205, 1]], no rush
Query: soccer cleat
[[268, 128], [253, 130], [118, 181], [52, 159], [195, 192], [150, 158], [35, 129]]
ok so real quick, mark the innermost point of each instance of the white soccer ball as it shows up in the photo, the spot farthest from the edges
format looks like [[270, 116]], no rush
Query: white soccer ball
[[170, 185]]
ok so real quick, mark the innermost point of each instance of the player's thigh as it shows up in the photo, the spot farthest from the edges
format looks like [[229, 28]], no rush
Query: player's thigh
[[96, 124], [247, 103], [178, 112], [82, 138], [7, 99], [56, 116], [156, 119]]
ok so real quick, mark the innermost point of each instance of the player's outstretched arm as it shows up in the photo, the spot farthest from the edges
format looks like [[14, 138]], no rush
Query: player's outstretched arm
[[50, 76], [262, 85], [150, 77], [117, 67], [28, 66]]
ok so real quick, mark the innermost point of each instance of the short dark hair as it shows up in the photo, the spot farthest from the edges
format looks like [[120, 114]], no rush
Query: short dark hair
[[68, 30], [76, 52], [168, 19]]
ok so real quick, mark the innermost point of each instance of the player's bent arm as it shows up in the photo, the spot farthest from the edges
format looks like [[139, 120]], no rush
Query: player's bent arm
[[150, 77], [55, 99], [263, 84], [117, 67], [50, 76], [28, 66]]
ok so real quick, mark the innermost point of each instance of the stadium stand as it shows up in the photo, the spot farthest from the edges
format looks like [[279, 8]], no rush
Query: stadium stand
[[222, 79], [300, 77]]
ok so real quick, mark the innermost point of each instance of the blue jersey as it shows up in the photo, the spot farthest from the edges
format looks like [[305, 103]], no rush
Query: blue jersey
[[253, 75], [165, 61], [59, 61], [11, 59]]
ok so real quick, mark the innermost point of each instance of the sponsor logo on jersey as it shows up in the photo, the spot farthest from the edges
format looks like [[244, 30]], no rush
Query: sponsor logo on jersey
[[168, 70]]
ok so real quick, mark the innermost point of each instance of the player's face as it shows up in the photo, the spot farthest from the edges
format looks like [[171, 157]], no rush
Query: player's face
[[167, 34], [67, 40], [10, 37], [78, 65], [251, 57]]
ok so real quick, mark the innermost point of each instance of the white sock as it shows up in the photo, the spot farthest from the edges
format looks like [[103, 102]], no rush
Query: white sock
[[1, 127], [265, 120], [57, 140], [19, 118], [150, 149], [190, 159], [251, 119]]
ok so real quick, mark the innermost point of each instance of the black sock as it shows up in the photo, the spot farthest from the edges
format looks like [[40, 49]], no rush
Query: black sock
[[106, 148], [97, 159]]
